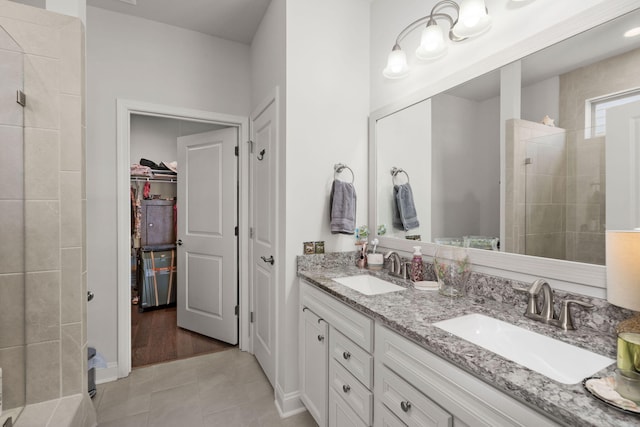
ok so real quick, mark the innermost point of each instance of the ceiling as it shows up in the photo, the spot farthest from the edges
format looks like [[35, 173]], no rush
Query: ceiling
[[235, 20]]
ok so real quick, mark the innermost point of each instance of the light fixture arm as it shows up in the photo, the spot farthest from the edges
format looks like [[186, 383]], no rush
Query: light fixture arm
[[429, 19]]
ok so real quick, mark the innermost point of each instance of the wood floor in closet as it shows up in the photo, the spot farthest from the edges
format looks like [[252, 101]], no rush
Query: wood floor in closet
[[156, 338]]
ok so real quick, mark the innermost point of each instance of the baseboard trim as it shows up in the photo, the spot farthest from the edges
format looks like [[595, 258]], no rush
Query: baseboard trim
[[288, 404], [108, 374]]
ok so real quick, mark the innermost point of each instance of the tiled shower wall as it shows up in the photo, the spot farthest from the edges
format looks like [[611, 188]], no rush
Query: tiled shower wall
[[586, 157], [535, 192], [12, 278], [55, 285]]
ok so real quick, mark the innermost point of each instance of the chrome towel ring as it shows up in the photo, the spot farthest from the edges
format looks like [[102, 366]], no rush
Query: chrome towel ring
[[395, 171], [339, 167]]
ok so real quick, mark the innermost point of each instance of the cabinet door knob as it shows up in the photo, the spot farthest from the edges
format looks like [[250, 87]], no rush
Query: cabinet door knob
[[346, 388], [346, 355], [405, 405], [320, 338]]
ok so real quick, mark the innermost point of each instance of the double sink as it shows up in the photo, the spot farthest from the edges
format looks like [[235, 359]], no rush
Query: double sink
[[562, 362]]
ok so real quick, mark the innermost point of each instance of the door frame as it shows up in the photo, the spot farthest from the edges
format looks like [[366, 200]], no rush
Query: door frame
[[125, 108]]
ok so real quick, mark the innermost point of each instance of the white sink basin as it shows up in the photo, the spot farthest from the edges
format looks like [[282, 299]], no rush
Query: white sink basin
[[555, 359], [368, 285]]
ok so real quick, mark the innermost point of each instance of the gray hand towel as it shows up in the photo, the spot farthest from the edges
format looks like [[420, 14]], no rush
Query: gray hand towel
[[405, 206], [343, 207]]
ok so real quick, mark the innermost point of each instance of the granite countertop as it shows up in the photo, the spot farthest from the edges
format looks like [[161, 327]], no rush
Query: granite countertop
[[412, 312]]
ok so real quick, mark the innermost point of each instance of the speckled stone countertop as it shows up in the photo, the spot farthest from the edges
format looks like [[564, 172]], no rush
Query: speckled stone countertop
[[412, 312]]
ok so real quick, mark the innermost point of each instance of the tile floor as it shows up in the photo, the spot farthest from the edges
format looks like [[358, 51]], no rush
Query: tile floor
[[226, 388]]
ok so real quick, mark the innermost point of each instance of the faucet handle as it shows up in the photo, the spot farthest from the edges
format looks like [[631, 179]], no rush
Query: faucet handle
[[565, 321]]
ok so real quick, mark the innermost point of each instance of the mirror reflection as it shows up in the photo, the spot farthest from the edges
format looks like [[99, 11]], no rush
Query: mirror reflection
[[552, 148]]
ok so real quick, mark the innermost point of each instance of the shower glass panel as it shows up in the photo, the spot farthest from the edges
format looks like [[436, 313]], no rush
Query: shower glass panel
[[12, 231], [562, 199]]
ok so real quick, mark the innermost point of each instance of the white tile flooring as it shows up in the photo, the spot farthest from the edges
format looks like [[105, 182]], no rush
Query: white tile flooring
[[227, 389]]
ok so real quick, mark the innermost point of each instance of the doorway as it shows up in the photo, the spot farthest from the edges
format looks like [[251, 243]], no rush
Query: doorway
[[128, 111], [157, 335]]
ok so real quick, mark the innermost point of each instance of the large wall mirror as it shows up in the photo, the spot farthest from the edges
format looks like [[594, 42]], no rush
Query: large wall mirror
[[543, 179]]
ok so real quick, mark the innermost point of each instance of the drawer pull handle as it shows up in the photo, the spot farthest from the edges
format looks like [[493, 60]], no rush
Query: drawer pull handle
[[320, 338], [405, 405], [346, 388], [346, 355]]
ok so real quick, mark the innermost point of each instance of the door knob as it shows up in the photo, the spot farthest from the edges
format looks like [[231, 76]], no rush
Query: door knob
[[405, 405], [346, 388], [179, 242], [270, 260], [89, 295], [346, 355]]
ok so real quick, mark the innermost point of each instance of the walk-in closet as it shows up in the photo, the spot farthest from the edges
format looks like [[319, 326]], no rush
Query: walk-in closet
[[155, 336]]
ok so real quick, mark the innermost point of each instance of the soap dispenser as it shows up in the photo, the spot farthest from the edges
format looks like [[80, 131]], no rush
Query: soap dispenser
[[417, 273]]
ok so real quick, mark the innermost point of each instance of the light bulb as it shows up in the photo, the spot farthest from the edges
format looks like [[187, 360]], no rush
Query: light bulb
[[432, 43], [396, 64], [471, 12], [473, 19]]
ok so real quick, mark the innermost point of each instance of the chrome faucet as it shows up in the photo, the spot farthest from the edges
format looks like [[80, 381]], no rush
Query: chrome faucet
[[395, 269], [547, 313]]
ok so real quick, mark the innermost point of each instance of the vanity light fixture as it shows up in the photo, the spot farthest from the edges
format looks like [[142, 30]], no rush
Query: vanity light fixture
[[472, 19]]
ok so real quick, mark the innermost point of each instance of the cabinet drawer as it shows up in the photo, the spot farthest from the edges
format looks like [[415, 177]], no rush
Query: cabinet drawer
[[353, 358], [340, 414], [384, 417], [357, 396], [356, 326], [408, 404]]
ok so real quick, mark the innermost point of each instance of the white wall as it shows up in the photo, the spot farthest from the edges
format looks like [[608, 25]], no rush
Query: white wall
[[540, 99], [512, 23], [140, 60], [155, 138], [327, 109], [466, 166]]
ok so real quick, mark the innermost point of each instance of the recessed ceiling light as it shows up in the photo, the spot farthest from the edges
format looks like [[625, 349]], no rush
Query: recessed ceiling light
[[632, 32], [133, 2]]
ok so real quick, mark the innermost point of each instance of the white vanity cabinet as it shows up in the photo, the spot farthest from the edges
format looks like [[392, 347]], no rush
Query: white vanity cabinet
[[314, 349], [414, 387], [336, 386]]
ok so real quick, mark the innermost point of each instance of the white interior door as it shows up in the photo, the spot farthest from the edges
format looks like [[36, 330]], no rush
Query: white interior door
[[622, 152], [262, 247], [207, 291]]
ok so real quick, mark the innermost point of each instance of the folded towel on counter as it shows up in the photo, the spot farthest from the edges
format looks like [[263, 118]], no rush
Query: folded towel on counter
[[405, 215], [342, 211]]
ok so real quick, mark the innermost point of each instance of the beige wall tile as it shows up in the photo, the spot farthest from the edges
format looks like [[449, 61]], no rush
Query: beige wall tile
[[33, 38], [11, 163], [41, 154], [70, 209], [43, 375], [11, 71], [8, 43], [42, 241], [12, 230], [71, 286], [42, 306], [71, 56], [41, 84], [71, 151], [12, 310], [13, 369], [71, 359]]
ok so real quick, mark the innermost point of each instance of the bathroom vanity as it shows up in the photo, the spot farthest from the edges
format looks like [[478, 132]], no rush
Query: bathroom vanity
[[384, 363]]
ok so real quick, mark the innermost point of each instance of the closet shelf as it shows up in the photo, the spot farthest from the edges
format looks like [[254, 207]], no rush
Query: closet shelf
[[150, 179]]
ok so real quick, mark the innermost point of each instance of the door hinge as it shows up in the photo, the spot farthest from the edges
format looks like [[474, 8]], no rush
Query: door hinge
[[237, 310], [21, 98], [251, 232], [250, 142], [251, 317], [237, 150], [236, 230]]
